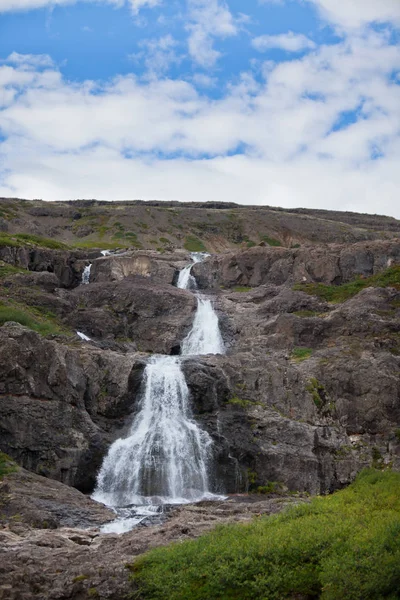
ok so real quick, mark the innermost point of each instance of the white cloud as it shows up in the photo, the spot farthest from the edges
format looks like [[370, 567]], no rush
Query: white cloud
[[158, 55], [356, 13], [20, 5], [29, 61], [208, 19], [291, 42], [66, 140]]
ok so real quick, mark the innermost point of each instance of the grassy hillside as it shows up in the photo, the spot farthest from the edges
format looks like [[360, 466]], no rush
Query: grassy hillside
[[161, 226], [344, 546]]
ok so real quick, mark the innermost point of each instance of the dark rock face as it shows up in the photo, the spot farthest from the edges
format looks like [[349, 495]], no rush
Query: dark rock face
[[65, 265], [330, 264], [155, 317], [62, 406]]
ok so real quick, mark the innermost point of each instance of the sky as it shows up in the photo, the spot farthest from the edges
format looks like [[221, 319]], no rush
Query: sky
[[274, 102]]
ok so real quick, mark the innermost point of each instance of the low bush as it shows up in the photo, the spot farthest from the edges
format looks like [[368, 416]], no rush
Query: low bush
[[343, 546], [340, 293]]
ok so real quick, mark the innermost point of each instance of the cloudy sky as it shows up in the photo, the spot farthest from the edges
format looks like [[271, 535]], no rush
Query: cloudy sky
[[279, 102]]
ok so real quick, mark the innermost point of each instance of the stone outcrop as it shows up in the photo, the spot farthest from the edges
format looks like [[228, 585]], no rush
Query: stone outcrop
[[330, 264], [61, 405], [161, 268]]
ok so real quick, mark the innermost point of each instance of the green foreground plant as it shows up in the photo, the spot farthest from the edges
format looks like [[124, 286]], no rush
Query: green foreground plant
[[344, 546]]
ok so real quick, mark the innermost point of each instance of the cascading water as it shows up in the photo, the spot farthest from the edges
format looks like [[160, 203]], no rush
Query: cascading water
[[86, 275], [186, 280], [165, 458]]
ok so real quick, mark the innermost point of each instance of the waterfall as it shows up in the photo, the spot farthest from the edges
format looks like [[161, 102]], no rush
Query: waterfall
[[205, 336], [166, 455], [164, 458], [186, 281], [86, 274]]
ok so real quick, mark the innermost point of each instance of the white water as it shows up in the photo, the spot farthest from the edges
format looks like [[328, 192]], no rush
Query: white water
[[165, 458], [83, 337], [186, 281], [86, 274], [205, 336]]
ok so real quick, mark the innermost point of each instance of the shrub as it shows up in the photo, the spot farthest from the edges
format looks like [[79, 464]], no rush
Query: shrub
[[342, 546]]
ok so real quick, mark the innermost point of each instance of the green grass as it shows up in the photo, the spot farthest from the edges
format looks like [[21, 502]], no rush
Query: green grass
[[270, 241], [37, 240], [340, 293], [340, 547], [193, 244], [38, 320], [6, 270], [300, 354], [7, 465]]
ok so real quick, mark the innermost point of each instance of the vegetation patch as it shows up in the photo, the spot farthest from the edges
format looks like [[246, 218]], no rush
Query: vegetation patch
[[7, 465], [37, 319], [6, 269], [270, 240], [300, 354], [23, 239], [340, 293], [318, 392], [342, 546], [235, 401], [193, 244]]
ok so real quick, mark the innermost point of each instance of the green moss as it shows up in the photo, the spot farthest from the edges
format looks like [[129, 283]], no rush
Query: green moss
[[397, 434], [343, 546], [300, 354], [7, 465], [340, 293], [318, 392], [193, 244]]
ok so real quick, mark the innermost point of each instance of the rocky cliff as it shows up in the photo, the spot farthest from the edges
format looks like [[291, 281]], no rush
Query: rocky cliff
[[307, 394]]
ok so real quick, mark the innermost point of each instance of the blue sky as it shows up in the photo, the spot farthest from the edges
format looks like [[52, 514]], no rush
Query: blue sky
[[279, 102]]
